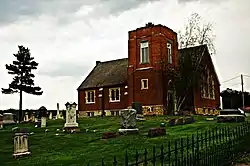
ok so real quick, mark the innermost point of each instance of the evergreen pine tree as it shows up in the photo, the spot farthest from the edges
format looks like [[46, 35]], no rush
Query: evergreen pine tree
[[23, 80]]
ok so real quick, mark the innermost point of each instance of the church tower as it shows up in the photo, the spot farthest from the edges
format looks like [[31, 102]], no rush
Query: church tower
[[148, 48]]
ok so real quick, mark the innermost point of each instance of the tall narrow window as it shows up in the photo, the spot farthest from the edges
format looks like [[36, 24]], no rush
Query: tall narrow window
[[169, 52], [90, 96], [208, 85], [203, 91], [144, 52], [212, 90], [114, 94]]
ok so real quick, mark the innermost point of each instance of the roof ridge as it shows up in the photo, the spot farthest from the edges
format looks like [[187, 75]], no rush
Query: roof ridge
[[202, 45], [114, 60]]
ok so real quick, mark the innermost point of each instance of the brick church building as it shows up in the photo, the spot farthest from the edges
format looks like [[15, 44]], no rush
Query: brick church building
[[116, 84]]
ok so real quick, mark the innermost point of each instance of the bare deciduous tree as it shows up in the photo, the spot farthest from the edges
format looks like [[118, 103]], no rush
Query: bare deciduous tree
[[190, 69]]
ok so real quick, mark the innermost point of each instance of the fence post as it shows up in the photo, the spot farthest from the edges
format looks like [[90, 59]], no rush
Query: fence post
[[197, 149], [145, 157], [192, 149], [115, 162], [187, 154], [126, 158], [175, 152], [102, 162], [169, 153], [154, 158], [162, 155], [136, 157], [182, 152], [206, 154]]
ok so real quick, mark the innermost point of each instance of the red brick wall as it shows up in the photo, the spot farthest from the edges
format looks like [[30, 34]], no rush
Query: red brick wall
[[199, 101], [82, 106], [157, 37]]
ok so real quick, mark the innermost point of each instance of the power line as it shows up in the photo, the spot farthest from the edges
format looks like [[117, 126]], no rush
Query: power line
[[236, 84], [246, 76], [230, 79]]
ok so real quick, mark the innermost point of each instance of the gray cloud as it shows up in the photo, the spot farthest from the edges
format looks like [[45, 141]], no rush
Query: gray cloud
[[203, 1], [66, 69], [11, 11]]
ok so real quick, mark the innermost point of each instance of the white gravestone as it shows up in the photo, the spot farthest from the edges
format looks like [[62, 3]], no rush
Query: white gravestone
[[21, 145], [50, 115], [71, 115], [43, 122], [26, 117]]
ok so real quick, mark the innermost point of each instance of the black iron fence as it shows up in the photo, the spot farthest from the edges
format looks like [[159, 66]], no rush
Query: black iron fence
[[216, 147]]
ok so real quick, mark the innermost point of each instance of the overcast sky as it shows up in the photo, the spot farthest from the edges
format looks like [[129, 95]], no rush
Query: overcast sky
[[66, 37]]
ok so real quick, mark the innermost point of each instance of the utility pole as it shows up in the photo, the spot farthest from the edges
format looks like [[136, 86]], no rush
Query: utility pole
[[242, 90]]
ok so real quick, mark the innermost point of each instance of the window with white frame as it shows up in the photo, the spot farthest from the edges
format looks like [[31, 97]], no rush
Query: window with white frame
[[114, 94], [144, 52], [169, 52], [90, 96], [144, 83]]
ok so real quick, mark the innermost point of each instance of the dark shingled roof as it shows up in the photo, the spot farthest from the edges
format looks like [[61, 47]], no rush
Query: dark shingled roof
[[107, 74], [192, 50], [114, 72]]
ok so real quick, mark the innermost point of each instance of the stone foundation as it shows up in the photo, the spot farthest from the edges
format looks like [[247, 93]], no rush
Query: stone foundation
[[147, 110], [207, 111], [153, 110], [114, 112]]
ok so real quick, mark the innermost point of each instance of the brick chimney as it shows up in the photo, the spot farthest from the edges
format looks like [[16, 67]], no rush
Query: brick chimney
[[149, 24], [97, 62]]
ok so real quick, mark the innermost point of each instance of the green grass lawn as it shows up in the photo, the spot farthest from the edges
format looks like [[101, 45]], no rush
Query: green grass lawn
[[81, 148]]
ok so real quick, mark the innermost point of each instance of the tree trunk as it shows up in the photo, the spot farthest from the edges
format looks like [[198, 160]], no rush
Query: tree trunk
[[181, 102], [20, 106]]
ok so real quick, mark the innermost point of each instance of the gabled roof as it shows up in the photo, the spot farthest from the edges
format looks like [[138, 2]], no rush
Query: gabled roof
[[106, 74], [114, 72], [198, 50]]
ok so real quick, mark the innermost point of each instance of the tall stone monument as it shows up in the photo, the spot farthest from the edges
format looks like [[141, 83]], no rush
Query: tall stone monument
[[71, 124], [57, 111], [21, 145]]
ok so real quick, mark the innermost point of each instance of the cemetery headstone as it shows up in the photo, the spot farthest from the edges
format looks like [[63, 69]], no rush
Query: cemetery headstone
[[153, 132], [50, 115], [43, 115], [138, 107], [8, 118], [128, 122], [26, 117], [71, 124], [1, 121], [21, 145]]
